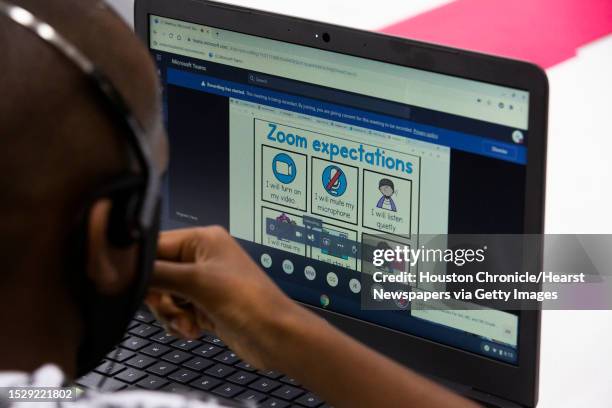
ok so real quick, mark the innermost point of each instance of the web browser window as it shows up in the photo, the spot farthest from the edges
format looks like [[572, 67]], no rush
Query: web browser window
[[306, 154]]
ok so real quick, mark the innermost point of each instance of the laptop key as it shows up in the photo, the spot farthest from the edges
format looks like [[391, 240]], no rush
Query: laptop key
[[270, 374], [183, 376], [198, 363], [112, 385], [288, 392], [133, 324], [175, 388], [140, 361], [207, 350], [186, 345], [162, 369], [90, 380], [109, 368], [144, 316], [152, 382], [163, 338], [176, 357], [134, 343], [242, 377], [309, 400], [273, 403], [227, 357], [214, 340], [220, 370], [120, 354], [250, 395], [155, 350], [290, 381], [205, 383], [245, 366], [265, 385], [228, 390], [99, 382], [144, 330], [130, 375]]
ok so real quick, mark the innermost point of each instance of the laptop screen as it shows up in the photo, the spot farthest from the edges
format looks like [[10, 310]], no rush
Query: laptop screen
[[304, 154]]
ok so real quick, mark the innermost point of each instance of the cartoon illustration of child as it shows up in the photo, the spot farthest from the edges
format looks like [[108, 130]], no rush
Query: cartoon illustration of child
[[387, 189]]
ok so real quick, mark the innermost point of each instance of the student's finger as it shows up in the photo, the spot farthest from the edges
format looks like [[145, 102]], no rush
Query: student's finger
[[203, 321], [180, 279], [188, 245], [177, 245], [161, 308], [197, 315], [162, 305], [176, 320], [153, 298]]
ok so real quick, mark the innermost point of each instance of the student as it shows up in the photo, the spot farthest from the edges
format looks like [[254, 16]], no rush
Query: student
[[60, 148], [387, 189]]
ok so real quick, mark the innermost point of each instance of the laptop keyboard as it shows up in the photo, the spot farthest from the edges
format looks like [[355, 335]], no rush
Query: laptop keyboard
[[149, 358]]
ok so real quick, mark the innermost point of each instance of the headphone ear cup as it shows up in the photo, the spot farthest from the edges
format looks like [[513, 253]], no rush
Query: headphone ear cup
[[122, 227]]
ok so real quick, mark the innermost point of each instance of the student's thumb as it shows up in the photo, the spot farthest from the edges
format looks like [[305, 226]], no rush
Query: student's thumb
[[178, 278]]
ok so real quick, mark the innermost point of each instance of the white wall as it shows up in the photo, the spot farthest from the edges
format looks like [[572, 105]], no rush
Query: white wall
[[125, 8], [364, 14]]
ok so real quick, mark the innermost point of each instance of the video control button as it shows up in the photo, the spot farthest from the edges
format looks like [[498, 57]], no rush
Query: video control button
[[310, 273], [355, 285], [332, 279], [266, 260], [288, 267]]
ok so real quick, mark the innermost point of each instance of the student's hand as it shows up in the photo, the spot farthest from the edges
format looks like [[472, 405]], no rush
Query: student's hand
[[223, 290]]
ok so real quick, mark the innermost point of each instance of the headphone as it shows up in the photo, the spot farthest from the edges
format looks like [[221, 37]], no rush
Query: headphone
[[134, 216], [136, 197]]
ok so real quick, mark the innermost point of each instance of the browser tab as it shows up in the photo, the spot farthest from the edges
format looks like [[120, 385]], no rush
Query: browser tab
[[457, 96]]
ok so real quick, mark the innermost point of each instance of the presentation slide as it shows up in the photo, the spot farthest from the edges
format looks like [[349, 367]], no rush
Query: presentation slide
[[320, 189]]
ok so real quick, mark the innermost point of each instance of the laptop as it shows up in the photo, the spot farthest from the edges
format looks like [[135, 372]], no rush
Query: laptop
[[305, 139]]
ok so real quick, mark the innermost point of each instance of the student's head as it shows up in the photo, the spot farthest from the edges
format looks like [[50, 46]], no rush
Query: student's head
[[386, 187], [59, 146]]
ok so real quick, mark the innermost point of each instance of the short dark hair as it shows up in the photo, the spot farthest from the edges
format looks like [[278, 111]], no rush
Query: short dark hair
[[386, 182]]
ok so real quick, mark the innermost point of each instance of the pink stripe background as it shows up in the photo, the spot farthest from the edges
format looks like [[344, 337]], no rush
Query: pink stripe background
[[545, 32]]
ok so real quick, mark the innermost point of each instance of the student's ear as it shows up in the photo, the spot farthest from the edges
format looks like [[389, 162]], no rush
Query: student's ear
[[111, 269]]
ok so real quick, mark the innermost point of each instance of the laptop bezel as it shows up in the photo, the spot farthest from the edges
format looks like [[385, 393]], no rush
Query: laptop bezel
[[515, 383]]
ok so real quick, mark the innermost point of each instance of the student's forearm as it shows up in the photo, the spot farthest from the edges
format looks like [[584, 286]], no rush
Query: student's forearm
[[236, 299], [347, 374]]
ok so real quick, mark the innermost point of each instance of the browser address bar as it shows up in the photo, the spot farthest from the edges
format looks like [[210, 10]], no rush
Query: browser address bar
[[284, 65], [332, 70]]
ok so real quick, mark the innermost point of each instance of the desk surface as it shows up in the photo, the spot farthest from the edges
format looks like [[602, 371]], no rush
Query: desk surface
[[576, 346]]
